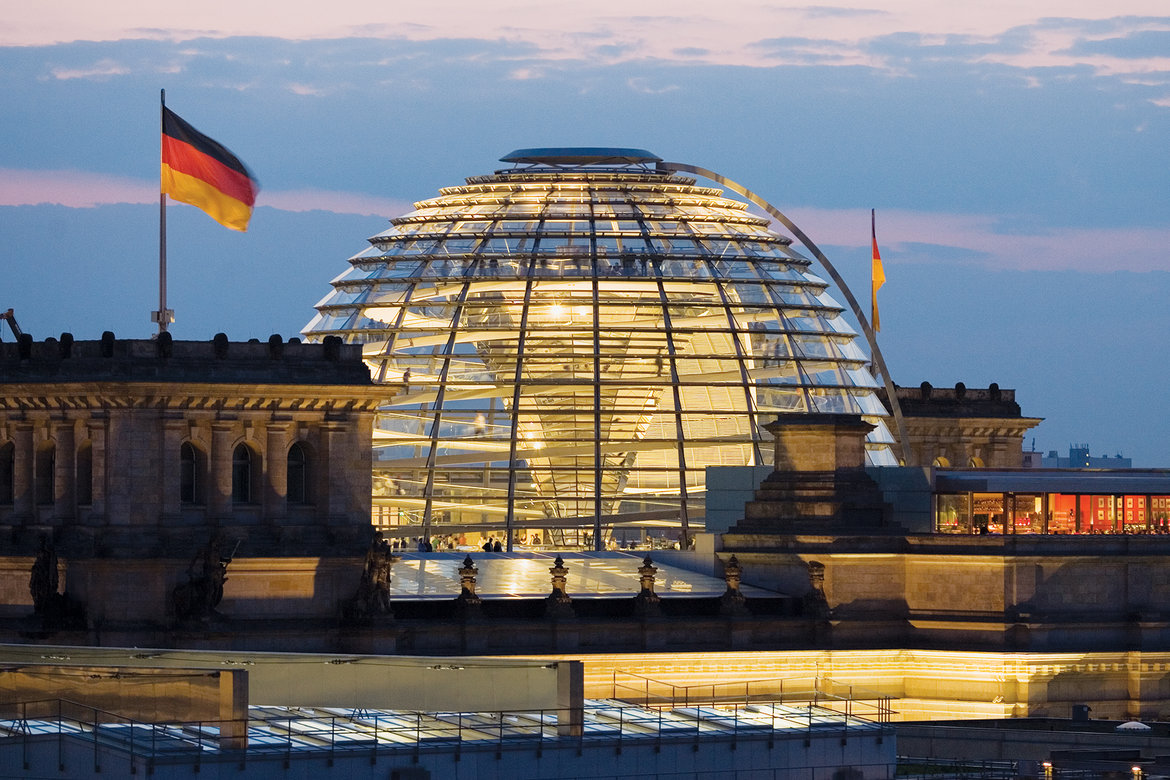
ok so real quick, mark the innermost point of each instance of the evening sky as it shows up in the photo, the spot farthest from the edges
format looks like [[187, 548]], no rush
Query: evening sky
[[1017, 153]]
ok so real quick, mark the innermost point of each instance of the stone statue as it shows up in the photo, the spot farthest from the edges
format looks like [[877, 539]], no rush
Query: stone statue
[[43, 579], [56, 611], [372, 598], [197, 598]]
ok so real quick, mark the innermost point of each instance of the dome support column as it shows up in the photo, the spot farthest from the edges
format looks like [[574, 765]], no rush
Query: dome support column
[[870, 336]]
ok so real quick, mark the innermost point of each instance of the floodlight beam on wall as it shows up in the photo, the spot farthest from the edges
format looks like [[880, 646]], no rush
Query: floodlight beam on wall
[[870, 336]]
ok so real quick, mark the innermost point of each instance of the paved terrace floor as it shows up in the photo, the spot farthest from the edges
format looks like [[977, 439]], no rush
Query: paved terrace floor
[[518, 575]]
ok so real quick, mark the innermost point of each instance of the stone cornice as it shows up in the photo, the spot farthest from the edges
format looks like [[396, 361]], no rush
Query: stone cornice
[[83, 396], [971, 426]]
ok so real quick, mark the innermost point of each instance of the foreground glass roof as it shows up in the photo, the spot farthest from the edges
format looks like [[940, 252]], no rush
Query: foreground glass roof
[[569, 343], [284, 730]]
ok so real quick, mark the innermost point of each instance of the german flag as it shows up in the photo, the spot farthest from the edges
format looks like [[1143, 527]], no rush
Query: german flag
[[877, 274], [201, 172]]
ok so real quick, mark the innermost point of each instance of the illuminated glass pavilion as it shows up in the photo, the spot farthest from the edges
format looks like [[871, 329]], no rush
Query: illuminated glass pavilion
[[568, 343]]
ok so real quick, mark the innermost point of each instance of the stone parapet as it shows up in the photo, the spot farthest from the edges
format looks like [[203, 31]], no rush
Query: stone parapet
[[166, 361], [1035, 593]]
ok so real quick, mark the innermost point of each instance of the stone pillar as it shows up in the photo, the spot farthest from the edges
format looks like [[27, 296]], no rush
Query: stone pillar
[[97, 439], [819, 442], [65, 471], [276, 472], [570, 698], [174, 431], [219, 493], [820, 484], [233, 710], [331, 504], [23, 488]]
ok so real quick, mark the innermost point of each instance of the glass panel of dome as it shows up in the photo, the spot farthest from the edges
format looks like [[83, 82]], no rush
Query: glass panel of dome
[[824, 376], [555, 473], [812, 346], [834, 400], [860, 377], [775, 400], [810, 323], [869, 404], [793, 297]]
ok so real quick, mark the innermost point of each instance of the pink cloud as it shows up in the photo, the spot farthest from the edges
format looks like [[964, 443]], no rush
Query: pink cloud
[[338, 202], [102, 69], [1081, 249], [1089, 249], [78, 189], [613, 30]]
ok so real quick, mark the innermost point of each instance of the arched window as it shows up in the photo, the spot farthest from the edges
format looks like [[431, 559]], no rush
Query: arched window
[[975, 462], [190, 474], [85, 474], [942, 462], [298, 474], [7, 459], [45, 478], [243, 473]]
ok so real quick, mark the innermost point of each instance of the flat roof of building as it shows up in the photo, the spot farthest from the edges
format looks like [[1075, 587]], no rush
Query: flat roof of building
[[1077, 481]]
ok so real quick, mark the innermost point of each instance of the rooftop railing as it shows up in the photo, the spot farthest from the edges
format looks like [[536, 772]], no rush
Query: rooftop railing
[[275, 732], [845, 699]]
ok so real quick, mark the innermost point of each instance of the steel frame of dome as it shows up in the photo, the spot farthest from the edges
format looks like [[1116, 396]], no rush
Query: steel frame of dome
[[568, 344]]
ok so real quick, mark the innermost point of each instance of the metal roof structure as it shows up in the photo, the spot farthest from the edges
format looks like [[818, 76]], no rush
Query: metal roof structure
[[588, 155], [568, 344], [305, 731]]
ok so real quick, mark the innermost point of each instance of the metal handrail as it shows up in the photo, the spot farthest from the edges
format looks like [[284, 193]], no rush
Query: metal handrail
[[172, 742], [674, 695]]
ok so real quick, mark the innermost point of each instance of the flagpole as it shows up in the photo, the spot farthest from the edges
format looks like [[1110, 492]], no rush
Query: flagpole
[[163, 316], [875, 270], [870, 336]]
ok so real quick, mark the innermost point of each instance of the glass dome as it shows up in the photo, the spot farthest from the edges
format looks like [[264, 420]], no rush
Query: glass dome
[[568, 344]]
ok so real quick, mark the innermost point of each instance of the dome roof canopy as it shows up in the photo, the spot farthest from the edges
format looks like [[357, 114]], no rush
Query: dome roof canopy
[[582, 155], [568, 346]]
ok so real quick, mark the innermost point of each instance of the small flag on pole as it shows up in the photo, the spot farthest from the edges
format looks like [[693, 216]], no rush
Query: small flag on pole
[[203, 173], [877, 274]]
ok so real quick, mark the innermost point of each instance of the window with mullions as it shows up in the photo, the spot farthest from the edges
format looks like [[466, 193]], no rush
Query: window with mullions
[[244, 473], [45, 480], [190, 474], [298, 474]]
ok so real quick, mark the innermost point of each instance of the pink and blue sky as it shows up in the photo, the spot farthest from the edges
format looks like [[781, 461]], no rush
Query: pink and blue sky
[[1017, 153]]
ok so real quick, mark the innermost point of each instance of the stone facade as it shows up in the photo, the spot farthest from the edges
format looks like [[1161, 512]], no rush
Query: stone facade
[[961, 426], [1023, 593], [884, 586], [131, 457], [819, 483]]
